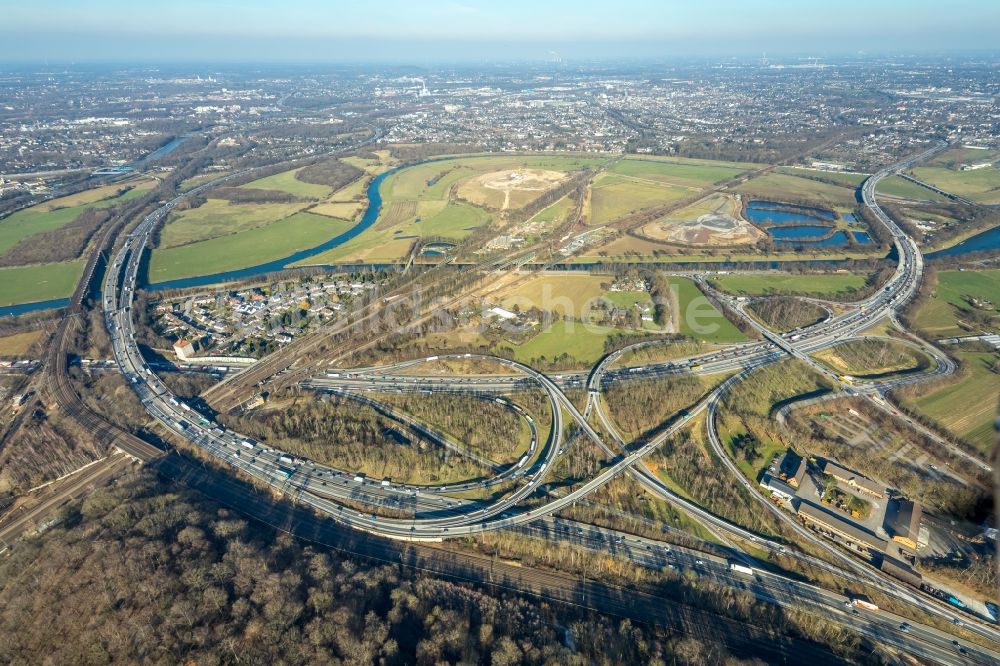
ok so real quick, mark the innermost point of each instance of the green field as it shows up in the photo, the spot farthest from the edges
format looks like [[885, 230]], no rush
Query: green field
[[955, 157], [366, 165], [954, 286], [695, 161], [626, 299], [365, 248], [851, 180], [456, 221], [565, 294], [40, 282], [967, 407], [897, 186], [353, 192], [58, 213], [416, 205], [981, 185], [557, 212], [673, 173], [583, 342], [390, 242], [841, 285], [287, 182], [26, 223], [783, 187], [699, 319], [940, 315], [425, 181], [200, 179], [613, 197], [247, 248], [570, 295], [218, 217], [433, 180]]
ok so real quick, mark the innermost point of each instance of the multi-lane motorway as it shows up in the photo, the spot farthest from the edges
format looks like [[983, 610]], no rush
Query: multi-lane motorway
[[340, 493]]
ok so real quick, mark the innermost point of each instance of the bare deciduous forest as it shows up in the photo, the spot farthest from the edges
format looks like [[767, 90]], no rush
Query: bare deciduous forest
[[145, 573]]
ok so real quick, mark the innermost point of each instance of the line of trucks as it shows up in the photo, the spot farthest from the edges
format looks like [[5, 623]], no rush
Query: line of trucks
[[858, 601]]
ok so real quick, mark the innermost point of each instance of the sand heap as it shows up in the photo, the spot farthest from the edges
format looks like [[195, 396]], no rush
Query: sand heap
[[509, 189]]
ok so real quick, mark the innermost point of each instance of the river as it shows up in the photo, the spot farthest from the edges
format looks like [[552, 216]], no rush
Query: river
[[987, 240], [367, 220]]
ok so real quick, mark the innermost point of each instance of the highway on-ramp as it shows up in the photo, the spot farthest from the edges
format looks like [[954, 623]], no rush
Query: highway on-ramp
[[323, 488]]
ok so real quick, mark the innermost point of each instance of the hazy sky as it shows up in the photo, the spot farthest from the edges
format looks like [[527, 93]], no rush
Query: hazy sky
[[476, 30]]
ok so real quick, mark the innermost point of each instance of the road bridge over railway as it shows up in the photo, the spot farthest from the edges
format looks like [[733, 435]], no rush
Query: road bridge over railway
[[329, 492]]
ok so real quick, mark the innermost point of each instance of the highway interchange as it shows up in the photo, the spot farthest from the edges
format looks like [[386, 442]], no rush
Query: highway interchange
[[353, 500]]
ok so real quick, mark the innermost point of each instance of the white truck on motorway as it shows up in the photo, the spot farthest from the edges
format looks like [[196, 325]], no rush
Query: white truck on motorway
[[740, 568], [863, 602]]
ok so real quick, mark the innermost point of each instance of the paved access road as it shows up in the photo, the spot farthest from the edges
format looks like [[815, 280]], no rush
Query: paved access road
[[331, 492]]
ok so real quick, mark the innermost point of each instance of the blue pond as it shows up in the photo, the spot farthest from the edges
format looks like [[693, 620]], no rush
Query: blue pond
[[799, 231], [769, 212], [789, 224]]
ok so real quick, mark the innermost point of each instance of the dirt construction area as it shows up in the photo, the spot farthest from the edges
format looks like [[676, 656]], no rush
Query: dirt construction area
[[510, 189], [714, 221]]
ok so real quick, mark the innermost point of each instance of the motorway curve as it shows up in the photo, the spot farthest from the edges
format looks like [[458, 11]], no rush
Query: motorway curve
[[329, 491]]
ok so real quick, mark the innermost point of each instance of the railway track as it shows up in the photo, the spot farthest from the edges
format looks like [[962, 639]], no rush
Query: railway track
[[18, 523], [233, 391], [56, 375], [488, 571], [71, 404], [222, 445], [228, 394]]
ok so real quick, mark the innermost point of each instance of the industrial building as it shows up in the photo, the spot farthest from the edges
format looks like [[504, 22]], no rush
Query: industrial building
[[902, 522], [777, 487], [854, 480], [853, 536]]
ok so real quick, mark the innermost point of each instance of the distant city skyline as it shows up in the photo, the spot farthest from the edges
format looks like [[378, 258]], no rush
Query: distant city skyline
[[475, 31]]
